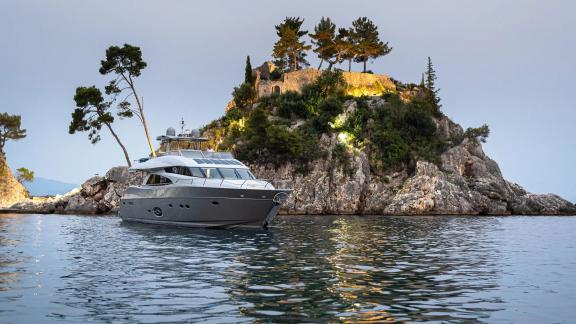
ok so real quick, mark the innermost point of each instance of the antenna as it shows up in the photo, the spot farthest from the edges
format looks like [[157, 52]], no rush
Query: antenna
[[182, 125]]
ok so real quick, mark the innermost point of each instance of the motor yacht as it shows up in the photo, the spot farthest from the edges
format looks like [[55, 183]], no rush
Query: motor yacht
[[188, 186]]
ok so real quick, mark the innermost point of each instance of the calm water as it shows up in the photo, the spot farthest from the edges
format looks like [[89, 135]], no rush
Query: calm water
[[315, 269]]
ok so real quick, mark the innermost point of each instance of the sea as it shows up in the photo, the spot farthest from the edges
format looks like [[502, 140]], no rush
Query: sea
[[314, 269]]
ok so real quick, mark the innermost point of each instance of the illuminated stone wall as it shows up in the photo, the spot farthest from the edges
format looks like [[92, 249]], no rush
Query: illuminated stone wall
[[359, 84]]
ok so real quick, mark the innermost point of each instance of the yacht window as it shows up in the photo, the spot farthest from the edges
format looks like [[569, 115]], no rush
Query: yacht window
[[196, 172], [212, 173], [245, 174], [157, 180], [179, 170], [228, 173]]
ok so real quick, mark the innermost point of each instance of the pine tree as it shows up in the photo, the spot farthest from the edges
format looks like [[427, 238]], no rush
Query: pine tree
[[248, 78], [289, 51], [367, 41], [431, 87], [324, 38], [10, 129]]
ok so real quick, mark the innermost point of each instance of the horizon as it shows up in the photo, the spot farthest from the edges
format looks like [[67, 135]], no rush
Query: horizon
[[519, 87]]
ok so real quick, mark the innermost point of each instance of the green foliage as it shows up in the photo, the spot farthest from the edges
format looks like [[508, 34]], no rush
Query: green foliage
[[24, 175], [91, 113], [367, 41], [244, 95], [480, 133], [126, 60], [395, 134], [276, 75], [10, 129], [289, 51], [431, 92], [324, 38], [263, 141], [292, 105], [248, 77]]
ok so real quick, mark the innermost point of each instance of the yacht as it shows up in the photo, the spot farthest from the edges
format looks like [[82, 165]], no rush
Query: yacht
[[187, 186]]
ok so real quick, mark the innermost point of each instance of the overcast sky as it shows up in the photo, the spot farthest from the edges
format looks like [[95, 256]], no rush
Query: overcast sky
[[511, 64]]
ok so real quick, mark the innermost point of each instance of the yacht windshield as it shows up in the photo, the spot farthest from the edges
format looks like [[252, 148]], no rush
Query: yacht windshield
[[228, 173], [244, 174], [196, 172], [212, 173], [157, 180]]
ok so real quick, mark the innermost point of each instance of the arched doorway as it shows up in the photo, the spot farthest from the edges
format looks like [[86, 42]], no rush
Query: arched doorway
[[276, 90]]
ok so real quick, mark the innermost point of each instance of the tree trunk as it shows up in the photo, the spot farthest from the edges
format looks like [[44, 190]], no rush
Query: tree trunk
[[330, 65], [120, 143], [143, 118], [295, 63], [365, 66], [350, 65], [320, 66]]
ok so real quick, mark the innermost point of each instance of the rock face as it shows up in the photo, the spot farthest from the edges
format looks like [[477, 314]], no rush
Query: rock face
[[11, 190], [97, 195], [466, 181]]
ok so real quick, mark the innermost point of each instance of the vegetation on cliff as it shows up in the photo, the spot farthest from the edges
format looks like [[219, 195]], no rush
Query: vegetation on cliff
[[10, 129], [288, 127]]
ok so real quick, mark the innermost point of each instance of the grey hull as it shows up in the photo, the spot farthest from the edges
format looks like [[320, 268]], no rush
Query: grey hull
[[201, 206]]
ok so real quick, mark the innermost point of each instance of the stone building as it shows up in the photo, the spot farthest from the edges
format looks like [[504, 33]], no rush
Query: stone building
[[358, 83]]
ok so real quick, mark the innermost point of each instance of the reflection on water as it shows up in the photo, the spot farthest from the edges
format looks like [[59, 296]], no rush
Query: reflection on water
[[305, 269]]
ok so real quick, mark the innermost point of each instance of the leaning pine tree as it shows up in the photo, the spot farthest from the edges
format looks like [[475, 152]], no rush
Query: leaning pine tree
[[126, 64], [91, 114]]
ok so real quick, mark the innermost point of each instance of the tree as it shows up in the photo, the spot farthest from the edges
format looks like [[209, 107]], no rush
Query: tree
[[324, 38], [10, 129], [248, 77], [24, 175], [126, 64], [289, 51], [480, 133], [91, 113], [432, 92], [367, 41], [343, 48], [244, 95]]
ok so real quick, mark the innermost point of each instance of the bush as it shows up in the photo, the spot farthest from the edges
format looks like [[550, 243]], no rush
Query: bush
[[276, 75], [481, 132], [395, 134], [244, 95]]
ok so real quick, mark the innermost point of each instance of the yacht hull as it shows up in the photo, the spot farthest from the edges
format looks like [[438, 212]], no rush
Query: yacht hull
[[202, 206]]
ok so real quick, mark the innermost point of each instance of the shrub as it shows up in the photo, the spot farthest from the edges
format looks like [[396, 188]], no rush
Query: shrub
[[244, 95], [276, 75], [481, 132]]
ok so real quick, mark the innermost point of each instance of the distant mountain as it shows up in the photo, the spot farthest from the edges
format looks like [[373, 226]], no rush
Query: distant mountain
[[48, 187]]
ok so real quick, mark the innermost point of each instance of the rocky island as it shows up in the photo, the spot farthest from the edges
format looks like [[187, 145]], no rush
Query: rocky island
[[343, 179], [346, 142]]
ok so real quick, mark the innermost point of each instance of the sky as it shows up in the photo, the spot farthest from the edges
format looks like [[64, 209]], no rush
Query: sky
[[510, 64]]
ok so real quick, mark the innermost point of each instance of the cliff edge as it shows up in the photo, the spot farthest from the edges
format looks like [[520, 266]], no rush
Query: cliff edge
[[11, 191]]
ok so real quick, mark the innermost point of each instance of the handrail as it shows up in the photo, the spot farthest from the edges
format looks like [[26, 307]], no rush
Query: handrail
[[246, 183]]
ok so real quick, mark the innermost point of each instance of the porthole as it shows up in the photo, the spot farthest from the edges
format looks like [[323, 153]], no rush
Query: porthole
[[215, 203], [187, 206], [170, 205], [181, 206]]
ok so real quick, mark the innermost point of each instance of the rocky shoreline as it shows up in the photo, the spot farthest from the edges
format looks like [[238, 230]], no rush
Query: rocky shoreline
[[465, 181]]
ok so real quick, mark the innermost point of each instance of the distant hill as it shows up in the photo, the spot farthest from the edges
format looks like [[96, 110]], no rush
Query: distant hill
[[48, 187]]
